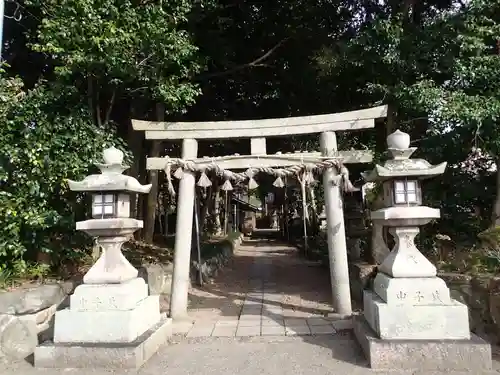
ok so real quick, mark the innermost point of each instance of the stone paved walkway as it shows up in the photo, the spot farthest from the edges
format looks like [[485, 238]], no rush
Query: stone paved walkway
[[267, 289]]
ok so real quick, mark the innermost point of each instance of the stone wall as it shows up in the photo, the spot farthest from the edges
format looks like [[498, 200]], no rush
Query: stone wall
[[481, 293], [27, 314], [211, 266], [159, 276]]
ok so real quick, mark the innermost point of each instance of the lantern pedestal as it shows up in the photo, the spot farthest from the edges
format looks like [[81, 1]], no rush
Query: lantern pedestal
[[112, 322], [107, 313], [111, 267], [106, 326], [473, 355], [110, 313], [131, 355], [409, 320]]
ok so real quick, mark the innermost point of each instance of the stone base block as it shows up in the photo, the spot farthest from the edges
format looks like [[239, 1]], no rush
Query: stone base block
[[404, 322], [423, 355], [108, 356], [99, 297], [411, 291], [106, 326]]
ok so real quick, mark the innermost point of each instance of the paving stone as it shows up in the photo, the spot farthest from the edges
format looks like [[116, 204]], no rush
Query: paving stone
[[252, 303], [272, 300], [272, 307], [317, 322], [250, 317], [322, 330], [224, 331], [249, 323], [226, 323], [254, 296], [254, 309], [302, 314], [272, 312], [295, 321], [181, 327], [245, 314], [201, 330], [273, 330], [248, 331], [270, 323], [273, 322], [228, 317], [341, 325], [298, 330]]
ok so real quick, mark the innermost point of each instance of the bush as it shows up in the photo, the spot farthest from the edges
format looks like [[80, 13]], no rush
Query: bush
[[43, 143]]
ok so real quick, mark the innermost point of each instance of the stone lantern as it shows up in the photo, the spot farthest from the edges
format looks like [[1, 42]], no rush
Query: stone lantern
[[111, 321], [409, 319]]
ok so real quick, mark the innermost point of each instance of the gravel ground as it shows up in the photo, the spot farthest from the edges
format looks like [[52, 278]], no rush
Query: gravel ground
[[311, 355]]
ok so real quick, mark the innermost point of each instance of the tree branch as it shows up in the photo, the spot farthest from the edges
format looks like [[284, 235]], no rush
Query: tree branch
[[110, 106], [145, 59], [90, 96], [98, 106], [254, 63]]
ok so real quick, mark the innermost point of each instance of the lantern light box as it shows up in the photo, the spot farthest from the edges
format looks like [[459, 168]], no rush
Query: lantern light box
[[110, 204], [403, 192]]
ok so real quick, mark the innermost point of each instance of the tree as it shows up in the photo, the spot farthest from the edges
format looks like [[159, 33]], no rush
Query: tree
[[114, 50], [44, 141], [123, 56]]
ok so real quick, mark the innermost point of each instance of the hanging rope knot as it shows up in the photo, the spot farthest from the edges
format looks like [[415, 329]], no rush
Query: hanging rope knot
[[347, 184], [252, 184], [168, 172], [179, 172], [190, 166], [330, 163], [214, 167]]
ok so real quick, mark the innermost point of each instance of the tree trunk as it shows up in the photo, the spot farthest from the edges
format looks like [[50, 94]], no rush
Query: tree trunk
[[496, 207], [152, 197], [382, 130]]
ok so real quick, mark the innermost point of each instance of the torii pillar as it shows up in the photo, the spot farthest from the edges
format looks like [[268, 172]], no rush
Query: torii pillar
[[183, 233], [336, 238]]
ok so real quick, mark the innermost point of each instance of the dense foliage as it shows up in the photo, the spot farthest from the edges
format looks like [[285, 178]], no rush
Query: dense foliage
[[78, 70], [43, 143]]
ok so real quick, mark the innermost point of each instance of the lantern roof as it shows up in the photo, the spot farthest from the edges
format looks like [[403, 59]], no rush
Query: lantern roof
[[400, 165], [111, 177]]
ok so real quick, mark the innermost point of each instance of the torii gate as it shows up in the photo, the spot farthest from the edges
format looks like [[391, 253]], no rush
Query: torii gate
[[257, 131]]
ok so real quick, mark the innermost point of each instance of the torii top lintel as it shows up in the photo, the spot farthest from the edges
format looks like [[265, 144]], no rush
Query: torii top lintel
[[344, 121]]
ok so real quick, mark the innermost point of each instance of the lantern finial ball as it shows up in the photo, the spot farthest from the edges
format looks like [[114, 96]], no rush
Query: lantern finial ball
[[112, 156], [398, 140]]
